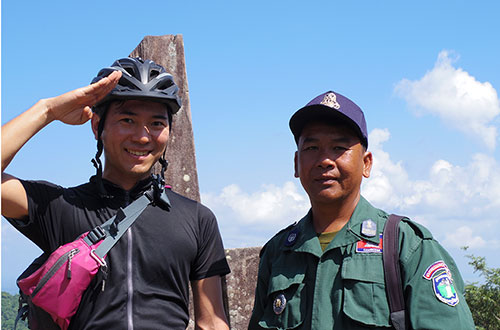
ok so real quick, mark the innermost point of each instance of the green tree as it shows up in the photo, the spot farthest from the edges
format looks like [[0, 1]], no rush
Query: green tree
[[10, 305], [484, 299]]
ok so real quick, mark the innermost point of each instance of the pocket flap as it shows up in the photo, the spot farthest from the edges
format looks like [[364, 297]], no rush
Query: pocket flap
[[365, 299], [283, 278], [366, 268]]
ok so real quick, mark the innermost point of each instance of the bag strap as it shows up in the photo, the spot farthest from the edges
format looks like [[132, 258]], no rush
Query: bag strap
[[22, 311], [126, 218], [114, 228], [392, 271]]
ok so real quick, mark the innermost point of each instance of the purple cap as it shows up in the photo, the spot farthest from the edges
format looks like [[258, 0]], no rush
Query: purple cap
[[333, 107]]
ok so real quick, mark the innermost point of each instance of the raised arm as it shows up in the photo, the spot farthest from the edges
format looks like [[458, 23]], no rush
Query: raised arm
[[208, 306], [73, 108]]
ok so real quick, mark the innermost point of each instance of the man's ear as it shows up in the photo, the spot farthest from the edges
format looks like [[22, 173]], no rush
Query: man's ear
[[296, 165], [95, 124], [367, 164]]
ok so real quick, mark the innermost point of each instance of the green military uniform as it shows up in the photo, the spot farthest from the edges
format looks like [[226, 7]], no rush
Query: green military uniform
[[301, 287]]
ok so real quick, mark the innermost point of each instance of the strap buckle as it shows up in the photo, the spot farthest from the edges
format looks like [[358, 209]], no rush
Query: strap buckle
[[99, 260], [157, 195], [96, 234]]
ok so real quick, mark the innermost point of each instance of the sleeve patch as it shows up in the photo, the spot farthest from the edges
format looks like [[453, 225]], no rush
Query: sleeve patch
[[435, 268], [442, 282], [444, 289]]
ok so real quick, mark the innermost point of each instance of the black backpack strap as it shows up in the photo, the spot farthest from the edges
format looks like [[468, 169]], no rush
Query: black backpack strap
[[392, 271], [22, 312]]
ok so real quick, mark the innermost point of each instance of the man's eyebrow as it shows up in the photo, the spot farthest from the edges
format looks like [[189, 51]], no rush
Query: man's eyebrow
[[309, 139], [127, 112], [160, 117], [134, 113], [342, 139]]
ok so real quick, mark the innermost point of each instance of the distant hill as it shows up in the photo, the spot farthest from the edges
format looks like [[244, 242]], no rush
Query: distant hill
[[10, 304]]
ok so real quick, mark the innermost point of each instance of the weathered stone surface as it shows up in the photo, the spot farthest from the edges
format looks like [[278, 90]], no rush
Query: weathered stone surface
[[168, 51], [240, 285]]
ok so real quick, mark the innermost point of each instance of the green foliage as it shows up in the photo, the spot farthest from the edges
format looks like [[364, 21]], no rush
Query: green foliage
[[10, 305], [484, 299]]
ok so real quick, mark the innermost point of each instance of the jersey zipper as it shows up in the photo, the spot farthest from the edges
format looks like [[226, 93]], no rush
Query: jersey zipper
[[130, 284]]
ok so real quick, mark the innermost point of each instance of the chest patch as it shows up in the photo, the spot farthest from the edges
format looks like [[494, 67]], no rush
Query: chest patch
[[369, 247]]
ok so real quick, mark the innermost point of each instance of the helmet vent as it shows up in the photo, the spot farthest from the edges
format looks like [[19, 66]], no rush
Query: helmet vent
[[164, 85], [123, 83], [130, 71], [153, 74]]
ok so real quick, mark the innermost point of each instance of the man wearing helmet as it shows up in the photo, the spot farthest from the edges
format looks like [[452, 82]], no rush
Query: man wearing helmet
[[130, 106]]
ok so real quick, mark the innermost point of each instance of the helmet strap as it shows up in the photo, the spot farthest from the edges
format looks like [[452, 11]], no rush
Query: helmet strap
[[164, 164], [96, 161]]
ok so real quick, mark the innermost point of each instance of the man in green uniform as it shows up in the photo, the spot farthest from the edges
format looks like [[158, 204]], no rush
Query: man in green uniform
[[326, 271]]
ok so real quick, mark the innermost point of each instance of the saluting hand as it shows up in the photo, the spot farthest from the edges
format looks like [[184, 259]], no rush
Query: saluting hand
[[74, 108]]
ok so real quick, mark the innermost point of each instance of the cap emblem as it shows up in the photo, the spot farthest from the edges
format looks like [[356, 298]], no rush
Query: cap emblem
[[330, 100]]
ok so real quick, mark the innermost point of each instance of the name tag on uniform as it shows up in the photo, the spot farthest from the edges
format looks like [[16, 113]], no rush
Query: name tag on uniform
[[368, 247]]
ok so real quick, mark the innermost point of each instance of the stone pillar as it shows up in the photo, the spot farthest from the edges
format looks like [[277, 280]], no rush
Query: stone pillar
[[239, 286], [168, 51]]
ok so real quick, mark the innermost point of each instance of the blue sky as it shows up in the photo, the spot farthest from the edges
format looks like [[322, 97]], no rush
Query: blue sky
[[426, 73]]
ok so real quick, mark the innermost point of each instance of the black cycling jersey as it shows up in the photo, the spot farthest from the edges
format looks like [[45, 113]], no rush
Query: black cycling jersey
[[151, 265]]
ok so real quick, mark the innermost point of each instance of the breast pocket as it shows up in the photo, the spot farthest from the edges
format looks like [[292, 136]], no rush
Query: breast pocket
[[365, 299], [286, 300]]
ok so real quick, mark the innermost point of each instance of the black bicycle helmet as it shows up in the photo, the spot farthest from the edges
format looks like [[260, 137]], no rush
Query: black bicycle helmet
[[141, 79]]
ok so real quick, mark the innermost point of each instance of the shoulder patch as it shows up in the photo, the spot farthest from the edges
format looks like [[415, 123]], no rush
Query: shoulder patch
[[442, 283], [444, 289], [436, 268]]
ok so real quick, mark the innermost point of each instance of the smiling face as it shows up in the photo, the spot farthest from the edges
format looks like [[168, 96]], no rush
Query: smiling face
[[134, 137], [331, 163]]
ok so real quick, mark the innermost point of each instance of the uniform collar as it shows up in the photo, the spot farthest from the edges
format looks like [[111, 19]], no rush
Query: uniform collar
[[306, 237]]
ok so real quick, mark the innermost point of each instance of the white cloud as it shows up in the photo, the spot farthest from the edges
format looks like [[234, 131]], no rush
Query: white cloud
[[449, 190], [250, 219], [387, 179], [456, 97], [464, 236], [458, 203], [271, 203]]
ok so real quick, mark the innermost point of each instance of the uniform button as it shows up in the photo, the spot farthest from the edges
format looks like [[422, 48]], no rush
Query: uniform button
[[279, 304]]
